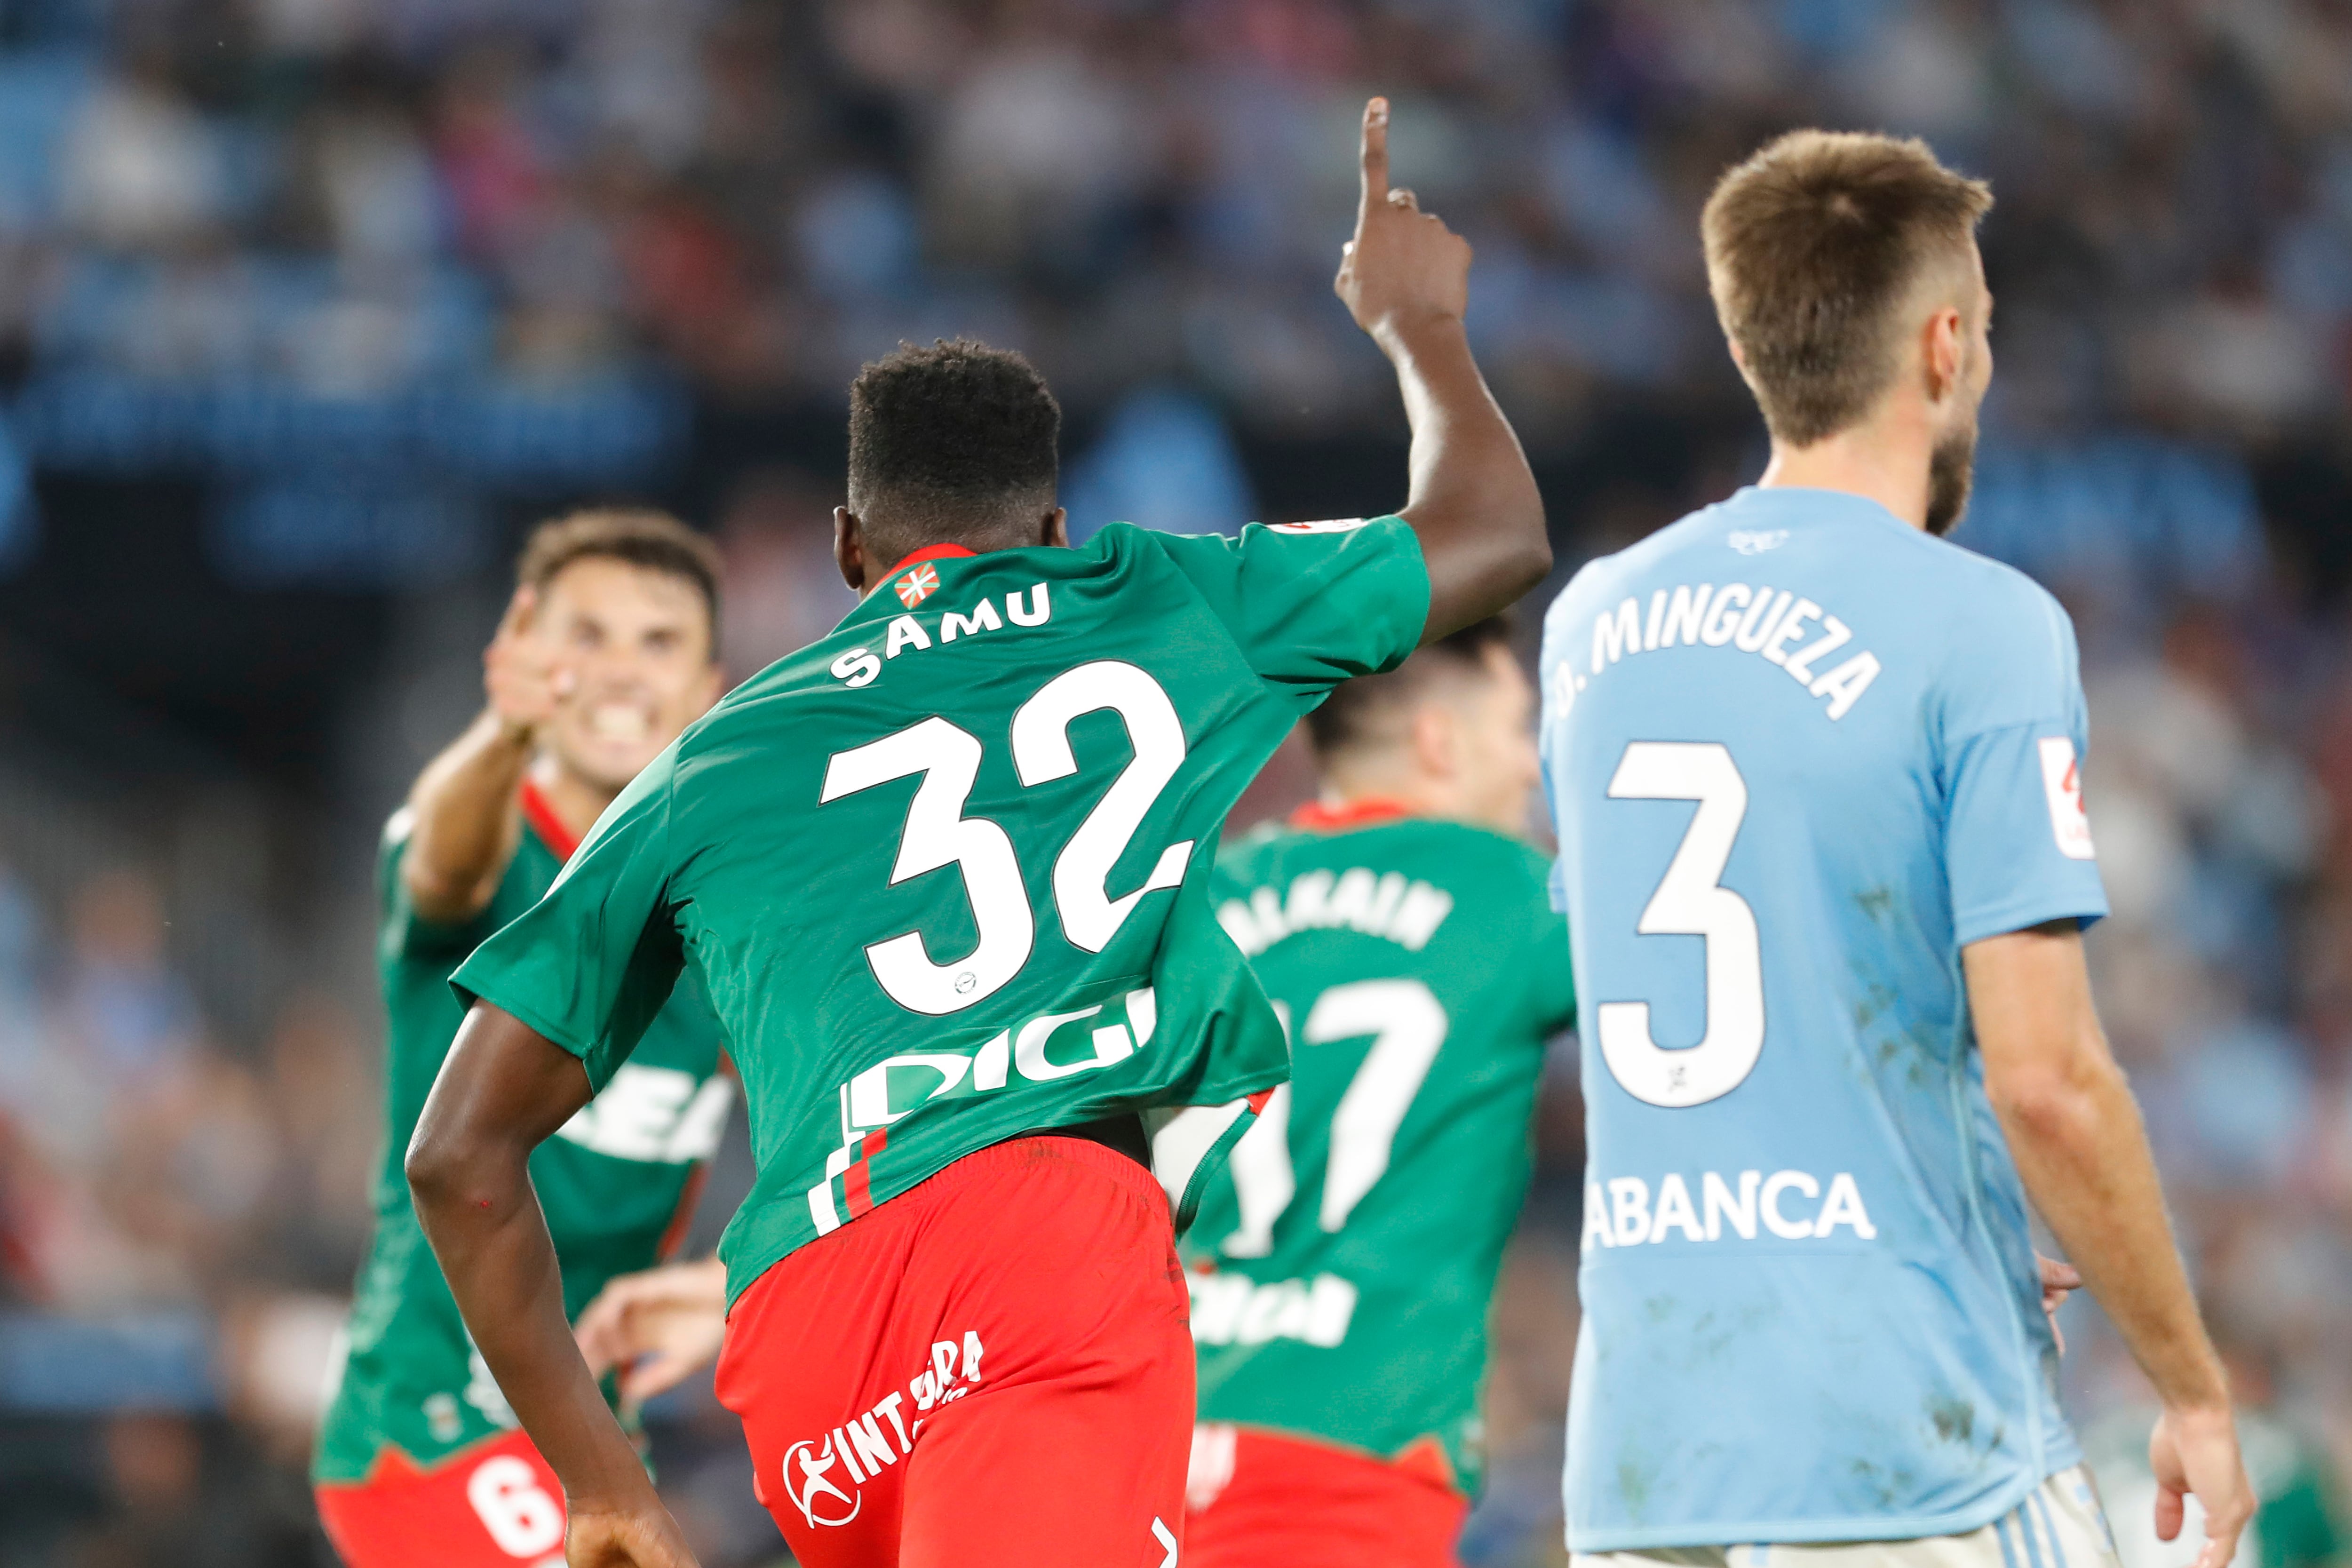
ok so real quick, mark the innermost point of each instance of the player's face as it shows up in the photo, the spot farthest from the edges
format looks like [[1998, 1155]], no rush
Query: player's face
[[1951, 465], [1497, 745], [638, 644]]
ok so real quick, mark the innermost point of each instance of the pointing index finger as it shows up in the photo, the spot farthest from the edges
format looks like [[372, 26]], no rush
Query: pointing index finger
[[1375, 158]]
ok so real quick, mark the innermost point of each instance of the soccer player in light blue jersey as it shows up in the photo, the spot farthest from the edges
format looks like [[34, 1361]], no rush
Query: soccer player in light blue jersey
[[1826, 865]]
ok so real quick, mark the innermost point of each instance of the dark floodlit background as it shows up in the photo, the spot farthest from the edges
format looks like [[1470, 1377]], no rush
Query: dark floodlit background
[[308, 308]]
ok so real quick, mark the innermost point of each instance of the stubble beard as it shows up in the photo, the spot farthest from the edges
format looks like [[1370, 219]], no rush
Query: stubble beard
[[1952, 471]]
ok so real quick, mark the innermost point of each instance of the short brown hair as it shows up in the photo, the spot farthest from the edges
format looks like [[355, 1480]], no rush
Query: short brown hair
[[640, 537], [1352, 715], [1812, 246]]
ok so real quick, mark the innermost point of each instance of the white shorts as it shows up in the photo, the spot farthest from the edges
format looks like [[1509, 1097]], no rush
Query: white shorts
[[2059, 1525]]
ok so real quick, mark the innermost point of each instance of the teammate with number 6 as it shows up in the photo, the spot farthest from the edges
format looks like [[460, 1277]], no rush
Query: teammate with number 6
[[1827, 866], [943, 875]]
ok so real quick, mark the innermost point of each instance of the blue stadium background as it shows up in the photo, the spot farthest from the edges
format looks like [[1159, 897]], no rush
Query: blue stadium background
[[308, 308]]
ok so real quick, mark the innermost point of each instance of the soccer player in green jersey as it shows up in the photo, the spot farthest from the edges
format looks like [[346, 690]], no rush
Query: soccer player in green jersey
[[944, 875], [606, 654], [1344, 1263]]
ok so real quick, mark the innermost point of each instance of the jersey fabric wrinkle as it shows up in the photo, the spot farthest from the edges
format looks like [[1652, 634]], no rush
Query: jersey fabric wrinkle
[[1800, 754], [943, 872]]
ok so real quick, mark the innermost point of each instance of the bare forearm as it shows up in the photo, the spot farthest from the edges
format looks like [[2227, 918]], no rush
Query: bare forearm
[[1472, 499], [2084, 1159], [488, 1232], [465, 824]]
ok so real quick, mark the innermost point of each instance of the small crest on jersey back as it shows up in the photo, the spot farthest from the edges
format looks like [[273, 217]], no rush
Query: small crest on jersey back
[[918, 585], [1752, 541], [1330, 525]]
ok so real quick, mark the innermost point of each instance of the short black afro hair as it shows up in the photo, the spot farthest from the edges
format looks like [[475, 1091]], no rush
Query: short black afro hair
[[951, 438]]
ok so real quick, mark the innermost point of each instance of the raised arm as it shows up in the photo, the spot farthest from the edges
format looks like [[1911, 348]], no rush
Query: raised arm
[[1405, 278], [467, 822], [502, 1089], [2075, 1132]]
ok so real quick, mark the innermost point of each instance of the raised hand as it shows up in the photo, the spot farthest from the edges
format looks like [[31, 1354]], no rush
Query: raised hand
[[658, 1326], [637, 1538], [523, 674], [1404, 268], [2197, 1452]]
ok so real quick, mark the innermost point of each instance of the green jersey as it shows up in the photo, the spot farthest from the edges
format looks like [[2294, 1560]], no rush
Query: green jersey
[[1345, 1259], [943, 873], [616, 1182]]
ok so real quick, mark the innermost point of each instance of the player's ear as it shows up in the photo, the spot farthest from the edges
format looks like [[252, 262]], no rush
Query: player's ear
[[1056, 534], [849, 547], [1943, 348], [1432, 742]]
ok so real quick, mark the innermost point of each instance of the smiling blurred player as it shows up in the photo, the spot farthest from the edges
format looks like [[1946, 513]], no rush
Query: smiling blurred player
[[607, 651], [1346, 1262], [1816, 773], [944, 874]]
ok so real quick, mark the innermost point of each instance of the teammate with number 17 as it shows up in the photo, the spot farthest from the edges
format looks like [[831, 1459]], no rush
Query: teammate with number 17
[[1826, 867], [943, 875]]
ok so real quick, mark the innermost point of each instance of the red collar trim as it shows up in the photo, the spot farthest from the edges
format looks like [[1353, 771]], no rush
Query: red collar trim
[[1317, 817], [927, 552], [540, 812]]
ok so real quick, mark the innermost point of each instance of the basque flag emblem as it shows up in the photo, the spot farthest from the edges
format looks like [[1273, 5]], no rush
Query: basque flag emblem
[[918, 585]]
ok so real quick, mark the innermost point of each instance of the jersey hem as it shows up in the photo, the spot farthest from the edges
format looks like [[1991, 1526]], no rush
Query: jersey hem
[[389, 1451], [1800, 1532], [741, 1276]]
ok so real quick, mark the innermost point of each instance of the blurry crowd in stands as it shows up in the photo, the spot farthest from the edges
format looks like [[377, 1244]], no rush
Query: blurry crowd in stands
[[355, 194], [746, 198]]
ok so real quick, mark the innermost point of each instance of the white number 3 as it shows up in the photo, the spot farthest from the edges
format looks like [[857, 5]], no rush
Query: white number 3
[[1692, 901]]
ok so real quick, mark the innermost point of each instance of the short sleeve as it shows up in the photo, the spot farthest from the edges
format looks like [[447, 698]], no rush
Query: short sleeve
[[2018, 848], [1312, 604], [590, 965], [403, 935]]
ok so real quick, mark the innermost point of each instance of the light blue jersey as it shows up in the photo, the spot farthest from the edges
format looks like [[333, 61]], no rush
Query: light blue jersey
[[1800, 754]]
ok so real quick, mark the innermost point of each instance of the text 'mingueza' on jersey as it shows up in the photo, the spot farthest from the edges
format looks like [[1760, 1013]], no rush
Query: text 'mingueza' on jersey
[[943, 872], [1800, 754], [1345, 1259]]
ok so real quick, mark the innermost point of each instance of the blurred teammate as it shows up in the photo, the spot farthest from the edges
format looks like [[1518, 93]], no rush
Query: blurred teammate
[[1348, 1258], [944, 875], [1816, 773], [606, 653]]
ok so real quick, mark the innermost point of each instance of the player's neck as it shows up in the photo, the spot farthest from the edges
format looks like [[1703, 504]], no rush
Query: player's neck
[[1396, 792], [1883, 459], [576, 801]]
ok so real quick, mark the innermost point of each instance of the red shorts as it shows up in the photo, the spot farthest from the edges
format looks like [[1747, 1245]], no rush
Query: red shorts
[[992, 1370], [1259, 1500], [494, 1506]]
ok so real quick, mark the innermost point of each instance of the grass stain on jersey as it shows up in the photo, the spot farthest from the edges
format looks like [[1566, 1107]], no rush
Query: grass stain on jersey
[[1955, 1419], [1878, 903]]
